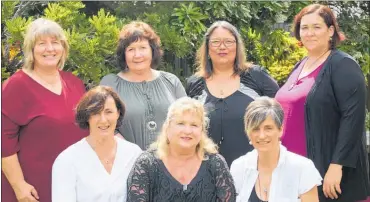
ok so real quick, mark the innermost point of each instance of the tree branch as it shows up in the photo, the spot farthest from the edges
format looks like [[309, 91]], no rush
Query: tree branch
[[21, 8]]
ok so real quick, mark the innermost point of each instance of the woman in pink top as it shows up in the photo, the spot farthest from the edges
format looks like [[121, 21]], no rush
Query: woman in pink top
[[37, 114], [324, 102]]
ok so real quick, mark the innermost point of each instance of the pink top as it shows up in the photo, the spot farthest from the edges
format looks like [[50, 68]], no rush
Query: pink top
[[292, 96], [38, 124]]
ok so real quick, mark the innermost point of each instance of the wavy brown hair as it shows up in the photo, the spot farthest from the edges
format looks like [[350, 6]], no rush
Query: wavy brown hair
[[136, 31], [204, 62], [93, 101]]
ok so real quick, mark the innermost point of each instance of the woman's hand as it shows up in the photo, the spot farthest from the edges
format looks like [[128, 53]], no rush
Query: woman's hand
[[25, 192], [332, 181]]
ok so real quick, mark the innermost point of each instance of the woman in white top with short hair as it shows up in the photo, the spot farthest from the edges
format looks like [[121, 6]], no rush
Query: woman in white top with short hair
[[96, 168], [270, 172]]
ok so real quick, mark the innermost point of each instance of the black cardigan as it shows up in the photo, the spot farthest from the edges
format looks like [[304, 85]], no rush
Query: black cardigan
[[335, 125]]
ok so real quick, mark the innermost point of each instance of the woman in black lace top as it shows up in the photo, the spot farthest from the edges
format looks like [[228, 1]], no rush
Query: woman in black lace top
[[183, 164]]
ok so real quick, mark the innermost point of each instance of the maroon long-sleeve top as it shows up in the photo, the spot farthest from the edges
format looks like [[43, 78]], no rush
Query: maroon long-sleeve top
[[38, 125]]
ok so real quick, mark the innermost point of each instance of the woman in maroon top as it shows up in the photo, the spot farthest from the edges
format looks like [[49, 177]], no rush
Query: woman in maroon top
[[37, 114]]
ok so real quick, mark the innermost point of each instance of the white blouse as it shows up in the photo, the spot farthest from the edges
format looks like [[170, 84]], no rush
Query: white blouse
[[293, 176], [79, 176]]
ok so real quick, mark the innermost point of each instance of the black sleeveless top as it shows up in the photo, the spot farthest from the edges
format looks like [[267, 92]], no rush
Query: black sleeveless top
[[254, 197]]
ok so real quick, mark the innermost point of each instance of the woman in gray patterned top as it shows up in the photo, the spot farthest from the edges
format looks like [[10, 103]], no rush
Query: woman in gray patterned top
[[183, 164], [146, 92]]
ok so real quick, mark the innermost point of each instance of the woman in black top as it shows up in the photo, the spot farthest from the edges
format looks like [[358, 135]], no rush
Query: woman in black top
[[226, 84], [183, 164]]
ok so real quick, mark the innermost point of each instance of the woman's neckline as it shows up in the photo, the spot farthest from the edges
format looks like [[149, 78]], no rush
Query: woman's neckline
[[38, 83], [156, 74]]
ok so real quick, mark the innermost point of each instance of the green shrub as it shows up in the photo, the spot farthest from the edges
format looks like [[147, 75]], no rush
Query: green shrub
[[279, 52], [92, 40]]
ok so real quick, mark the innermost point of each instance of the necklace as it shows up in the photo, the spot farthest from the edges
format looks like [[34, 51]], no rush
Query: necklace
[[309, 67], [264, 189], [107, 159], [185, 171], [36, 75], [312, 64], [52, 86]]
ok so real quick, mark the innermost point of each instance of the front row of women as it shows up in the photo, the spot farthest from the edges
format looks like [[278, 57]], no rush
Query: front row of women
[[183, 164]]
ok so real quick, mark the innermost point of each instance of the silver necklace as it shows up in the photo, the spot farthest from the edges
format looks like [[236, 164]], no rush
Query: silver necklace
[[264, 189], [105, 160], [312, 64], [35, 74], [309, 67]]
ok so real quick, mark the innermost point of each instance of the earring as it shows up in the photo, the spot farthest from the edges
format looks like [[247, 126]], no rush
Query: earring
[[300, 44], [250, 142], [208, 57]]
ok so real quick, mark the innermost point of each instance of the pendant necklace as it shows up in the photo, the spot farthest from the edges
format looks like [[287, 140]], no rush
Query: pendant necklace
[[299, 77], [264, 189], [312, 64]]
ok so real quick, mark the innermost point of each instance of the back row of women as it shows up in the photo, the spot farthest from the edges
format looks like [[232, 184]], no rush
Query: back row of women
[[323, 101]]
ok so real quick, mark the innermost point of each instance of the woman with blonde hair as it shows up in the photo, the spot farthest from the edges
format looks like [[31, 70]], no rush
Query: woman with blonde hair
[[37, 114], [183, 164], [226, 83]]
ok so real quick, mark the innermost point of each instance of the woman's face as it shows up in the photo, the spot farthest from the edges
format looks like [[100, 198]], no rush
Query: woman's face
[[104, 123], [315, 35], [47, 52], [222, 47], [265, 138], [185, 130], [139, 55]]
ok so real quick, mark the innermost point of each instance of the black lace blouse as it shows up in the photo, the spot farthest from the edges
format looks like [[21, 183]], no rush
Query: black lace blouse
[[150, 181]]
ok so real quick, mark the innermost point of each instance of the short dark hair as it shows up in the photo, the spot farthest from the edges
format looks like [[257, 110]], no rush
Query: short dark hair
[[136, 31], [93, 102], [326, 14]]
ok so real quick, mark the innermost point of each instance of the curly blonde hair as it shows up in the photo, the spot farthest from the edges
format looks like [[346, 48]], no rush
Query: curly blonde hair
[[178, 108], [37, 29]]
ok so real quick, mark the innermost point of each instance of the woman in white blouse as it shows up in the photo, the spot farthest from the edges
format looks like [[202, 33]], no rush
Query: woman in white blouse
[[270, 172], [95, 168]]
